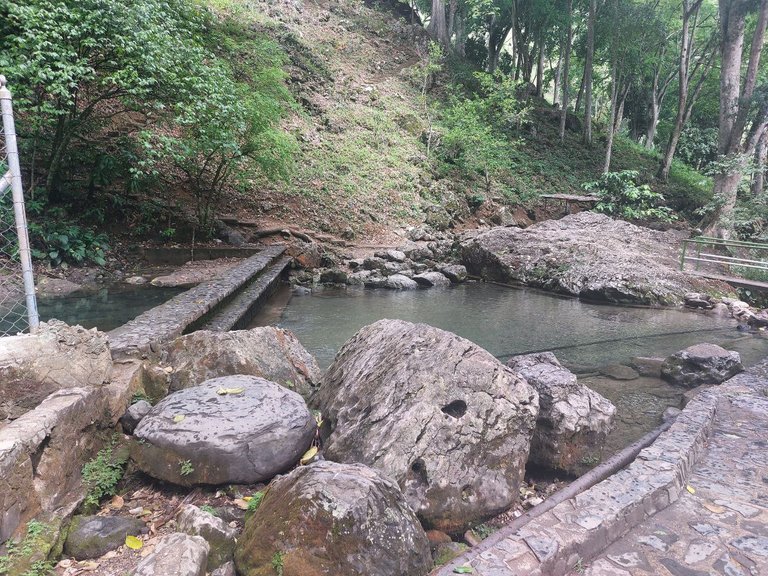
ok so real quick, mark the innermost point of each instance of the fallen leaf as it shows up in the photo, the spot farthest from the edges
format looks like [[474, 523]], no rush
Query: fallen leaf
[[178, 418], [223, 391], [690, 489], [147, 551], [88, 566], [136, 511], [117, 502], [462, 570], [168, 369], [308, 456], [64, 563], [240, 503], [109, 555], [247, 498], [133, 543], [713, 508]]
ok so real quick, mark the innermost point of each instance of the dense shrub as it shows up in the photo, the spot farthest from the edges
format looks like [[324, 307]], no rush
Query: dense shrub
[[620, 195]]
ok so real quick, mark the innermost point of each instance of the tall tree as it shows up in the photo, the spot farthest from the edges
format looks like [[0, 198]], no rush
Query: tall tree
[[736, 103], [588, 72], [566, 67]]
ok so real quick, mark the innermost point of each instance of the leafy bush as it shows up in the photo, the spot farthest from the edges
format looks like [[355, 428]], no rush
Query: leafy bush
[[101, 476], [620, 195]]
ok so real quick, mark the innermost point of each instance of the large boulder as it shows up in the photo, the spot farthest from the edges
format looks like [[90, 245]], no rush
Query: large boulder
[[701, 364], [330, 518], [93, 536], [219, 535], [588, 255], [271, 353], [234, 429], [56, 357], [436, 412], [573, 420]]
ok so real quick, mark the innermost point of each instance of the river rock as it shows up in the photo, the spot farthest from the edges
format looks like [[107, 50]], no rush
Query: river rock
[[619, 372], [573, 420], [175, 555], [420, 253], [133, 415], [391, 255], [219, 535], [701, 364], [374, 263], [56, 357], [227, 569], [234, 429], [334, 276], [588, 255], [432, 279], [443, 417], [331, 518], [93, 536], [400, 282], [270, 353], [698, 300], [456, 273], [646, 366]]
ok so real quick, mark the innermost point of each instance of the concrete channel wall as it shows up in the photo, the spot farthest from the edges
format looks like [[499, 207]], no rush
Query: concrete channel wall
[[242, 286]]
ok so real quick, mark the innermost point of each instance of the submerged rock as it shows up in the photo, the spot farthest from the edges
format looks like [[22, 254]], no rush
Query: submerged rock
[[701, 364], [573, 420], [270, 353], [443, 417], [234, 429], [588, 255], [330, 518]]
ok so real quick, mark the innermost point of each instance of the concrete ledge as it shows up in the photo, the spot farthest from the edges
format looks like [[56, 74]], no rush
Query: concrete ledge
[[167, 321], [578, 529]]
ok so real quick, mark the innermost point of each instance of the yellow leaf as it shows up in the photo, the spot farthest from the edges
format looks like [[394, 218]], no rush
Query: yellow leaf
[[714, 508], [690, 489], [241, 503], [247, 498], [223, 391], [133, 543], [178, 418], [308, 456], [117, 502]]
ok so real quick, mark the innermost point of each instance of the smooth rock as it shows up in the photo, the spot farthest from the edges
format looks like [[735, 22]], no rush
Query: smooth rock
[[420, 253], [93, 536], [436, 412], [331, 518], [219, 535], [247, 434], [133, 415], [456, 273], [701, 364], [619, 372], [400, 282], [270, 353], [573, 420], [432, 279], [647, 366], [391, 255], [175, 555], [136, 280]]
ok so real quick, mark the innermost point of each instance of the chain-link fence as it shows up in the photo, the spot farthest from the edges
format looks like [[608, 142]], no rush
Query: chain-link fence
[[18, 309]]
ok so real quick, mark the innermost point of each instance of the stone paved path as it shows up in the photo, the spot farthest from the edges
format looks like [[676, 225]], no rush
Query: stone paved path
[[720, 528]]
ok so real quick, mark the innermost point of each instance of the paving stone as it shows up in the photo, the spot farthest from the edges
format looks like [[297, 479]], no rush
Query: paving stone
[[698, 551], [660, 540], [705, 529], [604, 568], [740, 507], [629, 560], [728, 566], [544, 547], [752, 545], [677, 569]]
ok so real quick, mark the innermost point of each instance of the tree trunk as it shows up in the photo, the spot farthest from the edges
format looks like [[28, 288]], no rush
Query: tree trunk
[[438, 25], [588, 73], [610, 125], [761, 155], [566, 70], [540, 66]]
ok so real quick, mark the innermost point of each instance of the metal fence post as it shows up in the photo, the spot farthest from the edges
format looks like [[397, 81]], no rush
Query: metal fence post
[[12, 153]]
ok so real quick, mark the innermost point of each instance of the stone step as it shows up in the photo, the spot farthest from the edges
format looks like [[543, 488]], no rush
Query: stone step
[[241, 309], [141, 335]]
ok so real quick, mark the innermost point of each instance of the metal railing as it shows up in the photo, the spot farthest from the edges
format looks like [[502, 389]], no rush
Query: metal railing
[[736, 260], [18, 307]]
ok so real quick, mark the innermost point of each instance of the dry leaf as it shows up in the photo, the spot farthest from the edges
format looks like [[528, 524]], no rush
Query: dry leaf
[[136, 511], [109, 555], [117, 502], [133, 543], [240, 503], [308, 456], [64, 563], [690, 489], [223, 391], [178, 418]]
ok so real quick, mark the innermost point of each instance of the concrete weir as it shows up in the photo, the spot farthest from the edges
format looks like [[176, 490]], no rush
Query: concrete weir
[[221, 304]]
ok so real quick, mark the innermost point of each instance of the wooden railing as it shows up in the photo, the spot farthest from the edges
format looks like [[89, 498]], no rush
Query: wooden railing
[[734, 261]]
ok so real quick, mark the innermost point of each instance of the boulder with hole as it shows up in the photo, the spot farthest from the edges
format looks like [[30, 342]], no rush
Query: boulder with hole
[[234, 429], [573, 421], [443, 417], [331, 518]]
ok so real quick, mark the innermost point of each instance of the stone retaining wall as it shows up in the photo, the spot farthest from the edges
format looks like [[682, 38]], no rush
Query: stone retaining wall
[[578, 529]]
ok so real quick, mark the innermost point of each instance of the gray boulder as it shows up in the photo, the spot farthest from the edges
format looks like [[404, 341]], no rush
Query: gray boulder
[[456, 273], [219, 535], [175, 555], [227, 569], [334, 276], [134, 414], [391, 255], [234, 429], [270, 353], [330, 518], [573, 420], [701, 364], [400, 282], [443, 417], [420, 253], [432, 279], [93, 536]]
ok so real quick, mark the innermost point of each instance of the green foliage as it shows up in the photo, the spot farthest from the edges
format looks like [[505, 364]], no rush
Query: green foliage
[[697, 147], [21, 554], [101, 475], [621, 196], [255, 501], [185, 467], [63, 241], [210, 509], [277, 563]]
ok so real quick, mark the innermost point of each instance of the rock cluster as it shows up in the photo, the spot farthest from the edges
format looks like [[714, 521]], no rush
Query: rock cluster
[[701, 364], [443, 417]]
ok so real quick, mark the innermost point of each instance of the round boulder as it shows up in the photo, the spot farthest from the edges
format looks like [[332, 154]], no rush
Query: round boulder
[[93, 536], [443, 417], [701, 364], [330, 518], [234, 429]]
